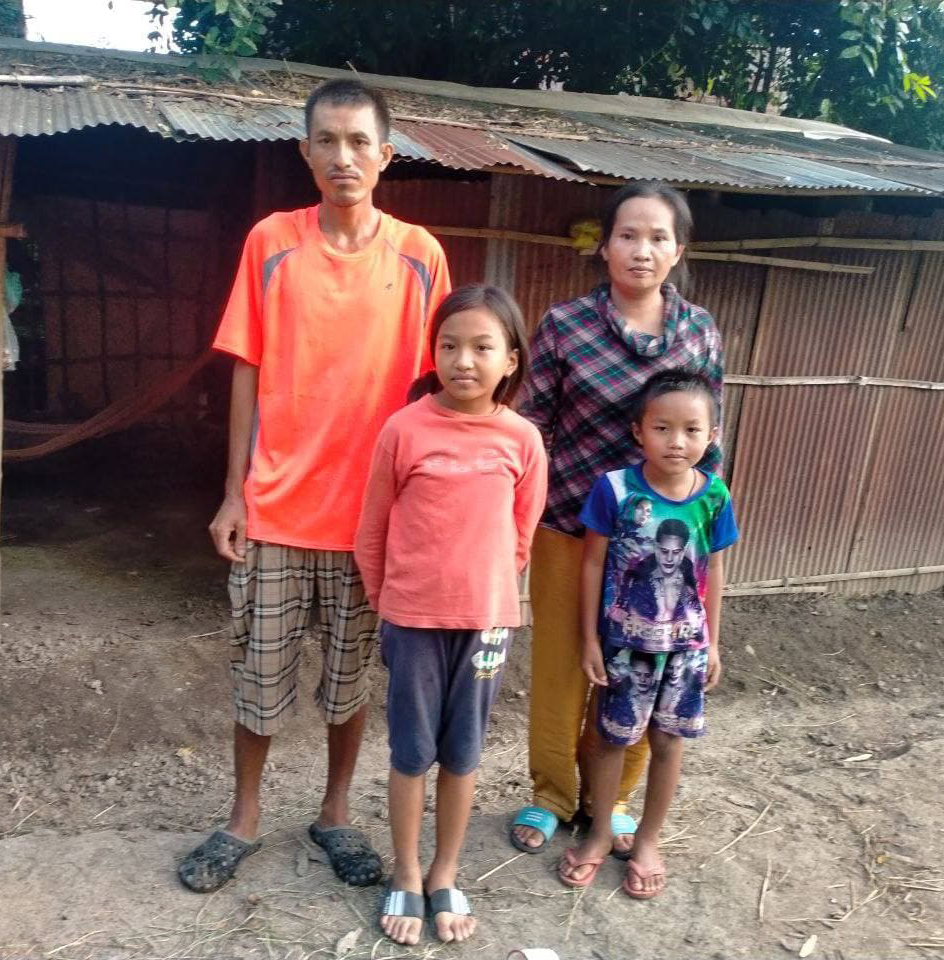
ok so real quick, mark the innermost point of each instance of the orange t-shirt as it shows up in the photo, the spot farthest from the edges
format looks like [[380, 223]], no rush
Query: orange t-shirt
[[338, 339]]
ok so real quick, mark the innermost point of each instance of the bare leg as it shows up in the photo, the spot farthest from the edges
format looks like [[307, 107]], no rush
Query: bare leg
[[249, 756], [605, 765], [406, 796], [664, 770], [453, 807], [344, 743]]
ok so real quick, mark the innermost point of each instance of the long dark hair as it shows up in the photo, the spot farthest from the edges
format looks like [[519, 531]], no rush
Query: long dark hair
[[506, 312], [681, 220]]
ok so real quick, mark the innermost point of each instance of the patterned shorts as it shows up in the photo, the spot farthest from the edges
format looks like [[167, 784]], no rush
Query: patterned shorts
[[665, 691], [272, 595]]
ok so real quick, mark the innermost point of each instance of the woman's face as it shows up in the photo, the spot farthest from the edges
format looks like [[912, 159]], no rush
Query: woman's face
[[642, 249]]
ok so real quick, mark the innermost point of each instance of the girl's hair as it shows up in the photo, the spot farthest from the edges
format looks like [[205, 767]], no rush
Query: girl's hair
[[674, 381], [681, 220], [506, 312]]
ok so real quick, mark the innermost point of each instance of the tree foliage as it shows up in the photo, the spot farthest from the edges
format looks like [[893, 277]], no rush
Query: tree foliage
[[871, 64]]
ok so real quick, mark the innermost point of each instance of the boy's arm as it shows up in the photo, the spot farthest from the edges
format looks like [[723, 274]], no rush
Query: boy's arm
[[591, 592], [713, 593], [228, 528], [370, 542]]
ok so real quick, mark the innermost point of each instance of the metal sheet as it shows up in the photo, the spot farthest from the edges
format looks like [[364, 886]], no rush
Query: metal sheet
[[33, 112], [463, 148], [216, 122], [902, 515]]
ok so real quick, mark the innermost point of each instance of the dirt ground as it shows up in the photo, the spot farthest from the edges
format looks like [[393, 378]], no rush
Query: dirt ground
[[812, 810]]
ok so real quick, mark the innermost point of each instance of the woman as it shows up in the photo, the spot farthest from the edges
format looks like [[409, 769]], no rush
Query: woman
[[591, 356]]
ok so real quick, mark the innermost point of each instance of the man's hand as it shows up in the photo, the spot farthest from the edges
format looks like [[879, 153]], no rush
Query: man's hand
[[714, 668], [228, 529], [592, 663]]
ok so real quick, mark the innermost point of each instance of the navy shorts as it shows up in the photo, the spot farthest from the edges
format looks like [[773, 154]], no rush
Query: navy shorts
[[665, 691], [442, 687]]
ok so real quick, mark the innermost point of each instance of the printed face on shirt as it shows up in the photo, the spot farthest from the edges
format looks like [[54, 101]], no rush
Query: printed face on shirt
[[669, 553], [641, 672], [674, 670], [643, 513], [344, 152], [472, 357], [675, 431], [642, 249]]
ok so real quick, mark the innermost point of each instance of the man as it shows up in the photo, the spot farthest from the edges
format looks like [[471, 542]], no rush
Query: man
[[328, 324]]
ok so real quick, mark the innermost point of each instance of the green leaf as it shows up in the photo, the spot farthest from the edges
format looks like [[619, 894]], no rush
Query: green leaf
[[222, 6], [850, 35], [850, 52]]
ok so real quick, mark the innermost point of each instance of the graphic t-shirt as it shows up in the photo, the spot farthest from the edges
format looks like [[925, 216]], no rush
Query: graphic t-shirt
[[656, 570], [338, 339]]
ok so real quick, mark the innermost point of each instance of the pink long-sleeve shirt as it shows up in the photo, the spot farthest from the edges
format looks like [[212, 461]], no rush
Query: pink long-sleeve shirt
[[451, 507]]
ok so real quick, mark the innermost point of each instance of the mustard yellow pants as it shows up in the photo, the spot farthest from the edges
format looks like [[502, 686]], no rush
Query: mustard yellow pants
[[558, 685]]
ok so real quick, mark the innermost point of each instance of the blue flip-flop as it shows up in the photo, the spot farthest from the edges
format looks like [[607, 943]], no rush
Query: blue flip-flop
[[622, 823], [539, 819]]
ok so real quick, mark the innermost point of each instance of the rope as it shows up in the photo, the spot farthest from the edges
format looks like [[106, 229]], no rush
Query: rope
[[119, 415]]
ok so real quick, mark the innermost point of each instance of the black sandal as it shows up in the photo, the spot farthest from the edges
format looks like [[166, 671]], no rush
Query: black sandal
[[353, 858], [214, 862]]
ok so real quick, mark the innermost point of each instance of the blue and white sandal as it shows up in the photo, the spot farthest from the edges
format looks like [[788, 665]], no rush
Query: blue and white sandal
[[620, 824], [537, 818]]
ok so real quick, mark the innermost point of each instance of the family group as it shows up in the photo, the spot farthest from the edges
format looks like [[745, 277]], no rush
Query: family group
[[400, 455]]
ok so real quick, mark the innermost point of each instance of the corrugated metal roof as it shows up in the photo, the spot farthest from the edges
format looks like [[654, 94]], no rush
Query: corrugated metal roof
[[624, 138], [465, 149], [26, 112]]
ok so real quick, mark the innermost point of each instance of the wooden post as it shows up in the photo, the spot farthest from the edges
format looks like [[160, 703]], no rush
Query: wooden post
[[7, 155]]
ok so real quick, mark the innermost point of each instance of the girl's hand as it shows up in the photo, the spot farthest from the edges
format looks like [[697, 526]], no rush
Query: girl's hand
[[592, 663], [714, 668]]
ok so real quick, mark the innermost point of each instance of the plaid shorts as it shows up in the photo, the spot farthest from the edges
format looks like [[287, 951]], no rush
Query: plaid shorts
[[272, 595]]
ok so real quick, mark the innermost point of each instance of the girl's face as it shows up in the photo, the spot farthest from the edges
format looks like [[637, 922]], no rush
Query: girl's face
[[675, 431], [472, 356], [642, 249], [643, 513]]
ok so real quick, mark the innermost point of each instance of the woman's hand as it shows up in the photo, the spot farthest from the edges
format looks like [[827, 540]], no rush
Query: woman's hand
[[714, 668], [592, 663]]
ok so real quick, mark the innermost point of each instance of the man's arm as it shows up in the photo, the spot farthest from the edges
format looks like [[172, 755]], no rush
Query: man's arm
[[228, 528]]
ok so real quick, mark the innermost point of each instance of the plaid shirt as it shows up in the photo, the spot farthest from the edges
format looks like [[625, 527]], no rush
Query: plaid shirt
[[585, 372]]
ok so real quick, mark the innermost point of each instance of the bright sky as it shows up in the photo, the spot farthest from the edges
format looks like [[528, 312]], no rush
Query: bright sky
[[122, 24]]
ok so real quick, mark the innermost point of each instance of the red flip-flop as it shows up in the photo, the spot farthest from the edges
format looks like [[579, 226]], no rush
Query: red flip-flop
[[570, 860], [631, 865]]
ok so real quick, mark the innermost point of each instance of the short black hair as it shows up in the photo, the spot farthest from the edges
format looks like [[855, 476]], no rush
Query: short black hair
[[675, 381], [350, 93], [672, 527]]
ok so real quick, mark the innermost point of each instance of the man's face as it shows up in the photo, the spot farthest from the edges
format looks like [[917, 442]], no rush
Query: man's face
[[641, 673], [344, 152], [669, 553]]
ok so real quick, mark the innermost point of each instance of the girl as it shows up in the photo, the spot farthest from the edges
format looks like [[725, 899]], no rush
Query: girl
[[650, 646], [456, 488], [591, 356]]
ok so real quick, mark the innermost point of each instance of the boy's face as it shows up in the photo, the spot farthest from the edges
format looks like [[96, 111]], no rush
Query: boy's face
[[675, 431], [669, 553], [344, 152]]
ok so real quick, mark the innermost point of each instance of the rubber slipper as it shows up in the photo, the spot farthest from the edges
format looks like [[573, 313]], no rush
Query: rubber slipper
[[449, 900], [622, 824], [570, 860], [214, 862], [403, 903], [539, 819], [353, 858], [631, 865]]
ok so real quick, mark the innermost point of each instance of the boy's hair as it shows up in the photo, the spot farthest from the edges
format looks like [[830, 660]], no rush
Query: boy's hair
[[674, 381], [672, 527], [681, 219], [506, 312], [349, 93]]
